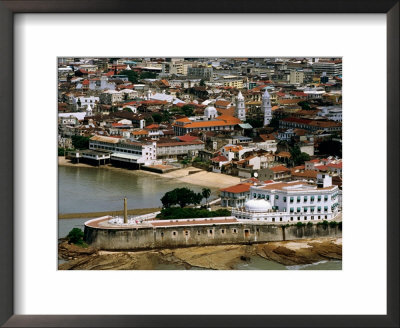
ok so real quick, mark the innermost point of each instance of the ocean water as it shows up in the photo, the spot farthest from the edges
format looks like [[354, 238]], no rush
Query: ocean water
[[96, 189], [82, 189]]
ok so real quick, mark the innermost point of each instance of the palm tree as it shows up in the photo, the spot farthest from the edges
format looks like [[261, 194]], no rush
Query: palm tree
[[206, 192]]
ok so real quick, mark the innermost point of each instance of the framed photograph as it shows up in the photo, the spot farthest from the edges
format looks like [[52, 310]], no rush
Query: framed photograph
[[192, 138]]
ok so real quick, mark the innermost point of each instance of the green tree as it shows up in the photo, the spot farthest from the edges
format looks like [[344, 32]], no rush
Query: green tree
[[255, 123], [75, 236], [202, 83], [169, 199], [304, 105], [303, 157], [188, 110], [206, 192], [132, 76], [166, 116], [297, 156], [196, 200], [127, 109], [157, 117], [180, 196], [148, 75], [62, 151], [80, 142]]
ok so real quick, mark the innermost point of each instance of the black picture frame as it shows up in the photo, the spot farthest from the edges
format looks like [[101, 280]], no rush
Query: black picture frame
[[7, 11]]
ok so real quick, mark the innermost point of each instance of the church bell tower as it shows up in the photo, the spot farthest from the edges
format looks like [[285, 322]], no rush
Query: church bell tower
[[240, 110], [266, 107]]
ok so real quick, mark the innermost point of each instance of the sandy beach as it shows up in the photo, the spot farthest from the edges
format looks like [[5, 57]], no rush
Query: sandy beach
[[201, 178]]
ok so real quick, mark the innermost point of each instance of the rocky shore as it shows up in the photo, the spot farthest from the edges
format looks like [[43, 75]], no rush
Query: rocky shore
[[223, 257]]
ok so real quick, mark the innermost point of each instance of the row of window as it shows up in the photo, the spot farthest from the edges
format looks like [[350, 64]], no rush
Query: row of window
[[312, 209], [291, 199], [209, 232], [122, 150], [280, 219]]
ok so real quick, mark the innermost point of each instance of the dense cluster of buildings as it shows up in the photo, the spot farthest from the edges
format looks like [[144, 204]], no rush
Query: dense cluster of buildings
[[275, 122]]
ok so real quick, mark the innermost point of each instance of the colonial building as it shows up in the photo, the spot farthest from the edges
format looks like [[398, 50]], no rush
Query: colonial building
[[279, 172], [235, 196], [291, 201], [220, 123], [310, 125], [174, 149], [125, 151]]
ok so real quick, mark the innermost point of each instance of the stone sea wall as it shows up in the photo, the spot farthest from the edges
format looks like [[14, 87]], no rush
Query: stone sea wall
[[217, 234]]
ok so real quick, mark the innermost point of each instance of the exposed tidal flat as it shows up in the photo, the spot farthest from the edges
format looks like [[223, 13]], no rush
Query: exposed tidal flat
[[311, 254]]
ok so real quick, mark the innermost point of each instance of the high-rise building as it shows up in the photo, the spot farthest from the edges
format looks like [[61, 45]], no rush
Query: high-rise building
[[296, 77]]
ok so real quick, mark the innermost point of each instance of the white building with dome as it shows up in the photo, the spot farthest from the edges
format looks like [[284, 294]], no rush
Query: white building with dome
[[291, 201], [210, 113]]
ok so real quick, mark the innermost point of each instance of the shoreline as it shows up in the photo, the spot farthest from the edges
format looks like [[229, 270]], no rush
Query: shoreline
[[201, 178], [136, 211], [220, 257]]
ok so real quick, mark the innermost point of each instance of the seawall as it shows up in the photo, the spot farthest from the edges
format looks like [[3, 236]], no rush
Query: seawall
[[204, 235]]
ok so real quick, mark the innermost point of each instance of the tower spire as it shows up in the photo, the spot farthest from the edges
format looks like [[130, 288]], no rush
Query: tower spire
[[240, 110], [266, 107]]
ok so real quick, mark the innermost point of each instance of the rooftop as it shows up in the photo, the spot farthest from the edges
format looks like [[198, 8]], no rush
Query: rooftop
[[190, 222]]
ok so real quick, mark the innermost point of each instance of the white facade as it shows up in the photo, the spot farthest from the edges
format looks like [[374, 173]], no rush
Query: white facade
[[268, 145], [240, 111], [266, 107], [331, 113], [292, 201], [210, 113], [84, 102], [124, 150], [171, 150]]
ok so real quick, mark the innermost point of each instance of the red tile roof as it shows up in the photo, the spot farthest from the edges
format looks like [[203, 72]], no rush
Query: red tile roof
[[187, 137], [336, 166], [241, 187], [219, 159], [306, 174], [222, 103], [269, 181], [280, 168], [152, 126]]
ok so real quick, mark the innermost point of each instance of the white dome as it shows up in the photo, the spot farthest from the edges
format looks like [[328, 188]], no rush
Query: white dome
[[210, 111], [258, 205]]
